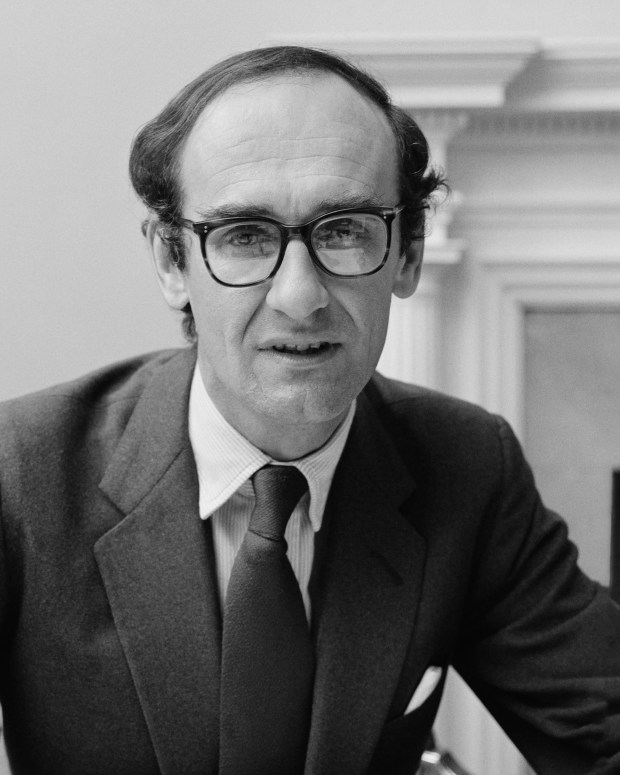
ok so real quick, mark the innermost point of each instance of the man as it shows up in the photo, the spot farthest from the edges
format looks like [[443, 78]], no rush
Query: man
[[286, 201]]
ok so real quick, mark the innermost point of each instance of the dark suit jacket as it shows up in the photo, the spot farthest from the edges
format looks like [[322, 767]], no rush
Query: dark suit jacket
[[435, 550]]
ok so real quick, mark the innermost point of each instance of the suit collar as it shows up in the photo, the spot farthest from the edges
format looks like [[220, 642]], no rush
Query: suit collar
[[155, 435]]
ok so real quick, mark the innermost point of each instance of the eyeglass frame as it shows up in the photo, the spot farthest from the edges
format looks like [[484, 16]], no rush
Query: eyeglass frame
[[303, 230]]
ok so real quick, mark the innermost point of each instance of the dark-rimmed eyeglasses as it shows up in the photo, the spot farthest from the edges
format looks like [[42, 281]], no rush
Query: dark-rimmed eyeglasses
[[243, 251]]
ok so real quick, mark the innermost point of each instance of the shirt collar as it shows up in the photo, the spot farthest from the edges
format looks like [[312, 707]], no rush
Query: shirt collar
[[225, 459]]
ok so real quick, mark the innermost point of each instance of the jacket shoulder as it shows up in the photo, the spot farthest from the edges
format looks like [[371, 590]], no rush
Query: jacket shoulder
[[444, 437], [105, 397], [401, 400]]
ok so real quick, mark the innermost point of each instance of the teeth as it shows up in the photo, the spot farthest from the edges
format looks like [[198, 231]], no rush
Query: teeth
[[299, 348]]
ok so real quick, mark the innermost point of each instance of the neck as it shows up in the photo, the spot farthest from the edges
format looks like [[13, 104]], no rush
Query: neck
[[283, 442], [285, 431]]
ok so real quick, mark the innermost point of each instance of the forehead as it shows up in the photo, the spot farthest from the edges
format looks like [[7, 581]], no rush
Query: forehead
[[286, 144]]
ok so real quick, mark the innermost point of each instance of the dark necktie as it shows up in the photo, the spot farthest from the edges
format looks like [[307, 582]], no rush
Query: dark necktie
[[267, 655]]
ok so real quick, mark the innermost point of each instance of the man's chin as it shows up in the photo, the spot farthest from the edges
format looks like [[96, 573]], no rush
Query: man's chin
[[312, 404]]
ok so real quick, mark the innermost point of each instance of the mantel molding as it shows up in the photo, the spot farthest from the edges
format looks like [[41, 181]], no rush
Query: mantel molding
[[542, 127], [447, 73], [584, 213], [477, 72], [540, 232], [443, 72], [577, 76], [512, 291]]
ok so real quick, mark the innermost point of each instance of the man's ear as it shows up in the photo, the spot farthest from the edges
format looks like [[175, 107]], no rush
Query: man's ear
[[409, 268], [172, 280]]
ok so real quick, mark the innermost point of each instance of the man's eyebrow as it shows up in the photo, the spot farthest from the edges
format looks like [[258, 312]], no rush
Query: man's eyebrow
[[323, 206], [232, 210], [348, 202]]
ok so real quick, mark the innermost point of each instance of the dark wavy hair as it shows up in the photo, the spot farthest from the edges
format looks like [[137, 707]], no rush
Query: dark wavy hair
[[156, 149]]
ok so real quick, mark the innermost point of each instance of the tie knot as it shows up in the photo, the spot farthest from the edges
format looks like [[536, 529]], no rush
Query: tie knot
[[277, 490]]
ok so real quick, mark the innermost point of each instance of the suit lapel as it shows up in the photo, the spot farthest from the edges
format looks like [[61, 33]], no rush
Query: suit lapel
[[157, 568], [367, 586]]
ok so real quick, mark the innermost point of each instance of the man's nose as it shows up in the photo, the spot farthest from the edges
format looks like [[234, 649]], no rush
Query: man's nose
[[297, 289]]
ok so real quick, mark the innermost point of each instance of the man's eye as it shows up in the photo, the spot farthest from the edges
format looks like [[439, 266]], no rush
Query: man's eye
[[245, 240], [244, 236], [342, 233]]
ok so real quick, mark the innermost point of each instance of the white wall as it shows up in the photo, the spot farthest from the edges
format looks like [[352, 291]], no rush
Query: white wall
[[78, 78]]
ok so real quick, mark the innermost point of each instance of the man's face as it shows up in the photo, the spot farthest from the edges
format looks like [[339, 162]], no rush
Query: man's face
[[291, 148]]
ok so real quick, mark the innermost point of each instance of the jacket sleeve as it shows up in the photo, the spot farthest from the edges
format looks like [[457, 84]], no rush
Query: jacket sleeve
[[542, 647]]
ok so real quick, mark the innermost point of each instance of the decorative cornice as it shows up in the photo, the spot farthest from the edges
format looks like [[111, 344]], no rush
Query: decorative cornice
[[541, 232], [583, 213], [450, 72], [446, 72], [489, 72], [492, 127], [577, 76]]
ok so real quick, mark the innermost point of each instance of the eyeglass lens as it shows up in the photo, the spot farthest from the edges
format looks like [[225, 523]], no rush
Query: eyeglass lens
[[246, 252]]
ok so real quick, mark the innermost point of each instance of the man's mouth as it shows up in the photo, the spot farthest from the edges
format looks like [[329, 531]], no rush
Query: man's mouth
[[312, 348]]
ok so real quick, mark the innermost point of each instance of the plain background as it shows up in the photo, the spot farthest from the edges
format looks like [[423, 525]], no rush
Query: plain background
[[78, 79]]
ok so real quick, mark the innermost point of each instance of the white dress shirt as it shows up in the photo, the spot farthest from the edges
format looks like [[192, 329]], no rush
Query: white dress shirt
[[225, 461]]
